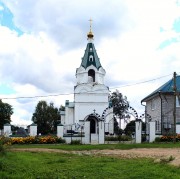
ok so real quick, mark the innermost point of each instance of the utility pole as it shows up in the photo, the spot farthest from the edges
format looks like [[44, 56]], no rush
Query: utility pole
[[174, 112]]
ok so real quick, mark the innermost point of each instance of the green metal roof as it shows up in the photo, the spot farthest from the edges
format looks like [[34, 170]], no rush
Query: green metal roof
[[166, 88], [87, 60]]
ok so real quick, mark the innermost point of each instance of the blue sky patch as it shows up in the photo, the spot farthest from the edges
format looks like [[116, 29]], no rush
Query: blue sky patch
[[6, 19], [5, 89], [167, 43], [176, 25], [161, 29]]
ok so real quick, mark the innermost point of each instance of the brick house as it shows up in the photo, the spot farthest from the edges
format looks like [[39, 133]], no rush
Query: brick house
[[160, 107]]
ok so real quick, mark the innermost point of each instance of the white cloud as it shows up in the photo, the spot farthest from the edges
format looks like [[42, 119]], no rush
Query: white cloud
[[127, 38], [1, 8]]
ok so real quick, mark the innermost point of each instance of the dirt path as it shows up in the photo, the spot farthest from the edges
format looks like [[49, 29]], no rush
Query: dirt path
[[157, 154]]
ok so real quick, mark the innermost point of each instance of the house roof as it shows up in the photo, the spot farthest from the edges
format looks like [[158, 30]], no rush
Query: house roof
[[165, 88], [90, 57]]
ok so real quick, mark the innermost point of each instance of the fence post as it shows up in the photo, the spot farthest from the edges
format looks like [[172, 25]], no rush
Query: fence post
[[101, 132], [152, 133], [60, 129], [138, 131], [33, 129]]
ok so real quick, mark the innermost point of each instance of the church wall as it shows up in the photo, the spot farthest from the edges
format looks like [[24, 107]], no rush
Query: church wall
[[82, 78], [63, 119], [84, 109], [87, 97], [69, 117], [82, 75]]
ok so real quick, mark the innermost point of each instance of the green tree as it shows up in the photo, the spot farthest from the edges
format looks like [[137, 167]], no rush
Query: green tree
[[46, 117], [62, 108], [120, 104], [130, 127], [6, 111], [120, 108]]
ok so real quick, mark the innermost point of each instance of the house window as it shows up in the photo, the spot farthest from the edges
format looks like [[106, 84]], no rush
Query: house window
[[177, 101], [158, 126], [153, 105]]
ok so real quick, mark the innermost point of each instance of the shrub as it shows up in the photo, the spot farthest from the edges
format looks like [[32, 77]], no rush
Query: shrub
[[118, 138], [124, 138], [4, 142], [158, 139], [76, 142], [111, 138], [169, 138]]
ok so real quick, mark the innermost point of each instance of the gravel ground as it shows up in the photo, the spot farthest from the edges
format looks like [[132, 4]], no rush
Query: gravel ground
[[157, 154]]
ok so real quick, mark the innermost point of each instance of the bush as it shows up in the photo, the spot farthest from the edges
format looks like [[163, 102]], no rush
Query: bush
[[158, 139], [111, 138], [118, 138], [4, 142], [124, 138], [76, 142]]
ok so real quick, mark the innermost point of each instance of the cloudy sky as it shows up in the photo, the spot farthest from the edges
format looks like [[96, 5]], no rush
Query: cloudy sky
[[42, 42]]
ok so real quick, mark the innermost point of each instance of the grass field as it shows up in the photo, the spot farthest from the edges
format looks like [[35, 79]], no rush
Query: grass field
[[100, 147], [42, 165], [33, 165]]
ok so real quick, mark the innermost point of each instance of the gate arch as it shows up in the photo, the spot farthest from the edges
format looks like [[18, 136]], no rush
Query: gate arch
[[130, 111]]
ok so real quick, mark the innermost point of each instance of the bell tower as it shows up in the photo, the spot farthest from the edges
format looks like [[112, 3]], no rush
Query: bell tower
[[90, 70], [90, 93]]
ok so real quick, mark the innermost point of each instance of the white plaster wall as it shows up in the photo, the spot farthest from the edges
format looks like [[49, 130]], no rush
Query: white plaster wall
[[83, 110], [138, 132], [69, 117], [90, 97], [87, 132], [60, 130], [82, 75], [101, 132], [152, 133], [94, 138], [63, 119]]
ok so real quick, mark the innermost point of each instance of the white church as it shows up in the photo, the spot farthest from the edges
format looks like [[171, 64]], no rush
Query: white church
[[90, 110]]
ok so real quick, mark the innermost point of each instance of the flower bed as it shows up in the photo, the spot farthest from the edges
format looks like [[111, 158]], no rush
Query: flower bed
[[168, 138], [37, 140]]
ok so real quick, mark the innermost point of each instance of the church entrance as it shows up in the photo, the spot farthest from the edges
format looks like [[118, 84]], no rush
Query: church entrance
[[94, 132], [92, 124]]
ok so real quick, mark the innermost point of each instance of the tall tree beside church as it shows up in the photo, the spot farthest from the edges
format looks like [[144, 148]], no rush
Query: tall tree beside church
[[120, 107], [6, 111], [46, 117]]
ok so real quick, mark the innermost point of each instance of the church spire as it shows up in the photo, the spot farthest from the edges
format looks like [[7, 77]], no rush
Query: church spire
[[90, 34]]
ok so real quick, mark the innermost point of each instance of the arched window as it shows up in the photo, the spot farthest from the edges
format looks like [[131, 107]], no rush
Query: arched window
[[91, 58], [91, 73]]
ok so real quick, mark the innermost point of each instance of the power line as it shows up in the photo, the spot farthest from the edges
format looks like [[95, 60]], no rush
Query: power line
[[133, 84], [64, 94]]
